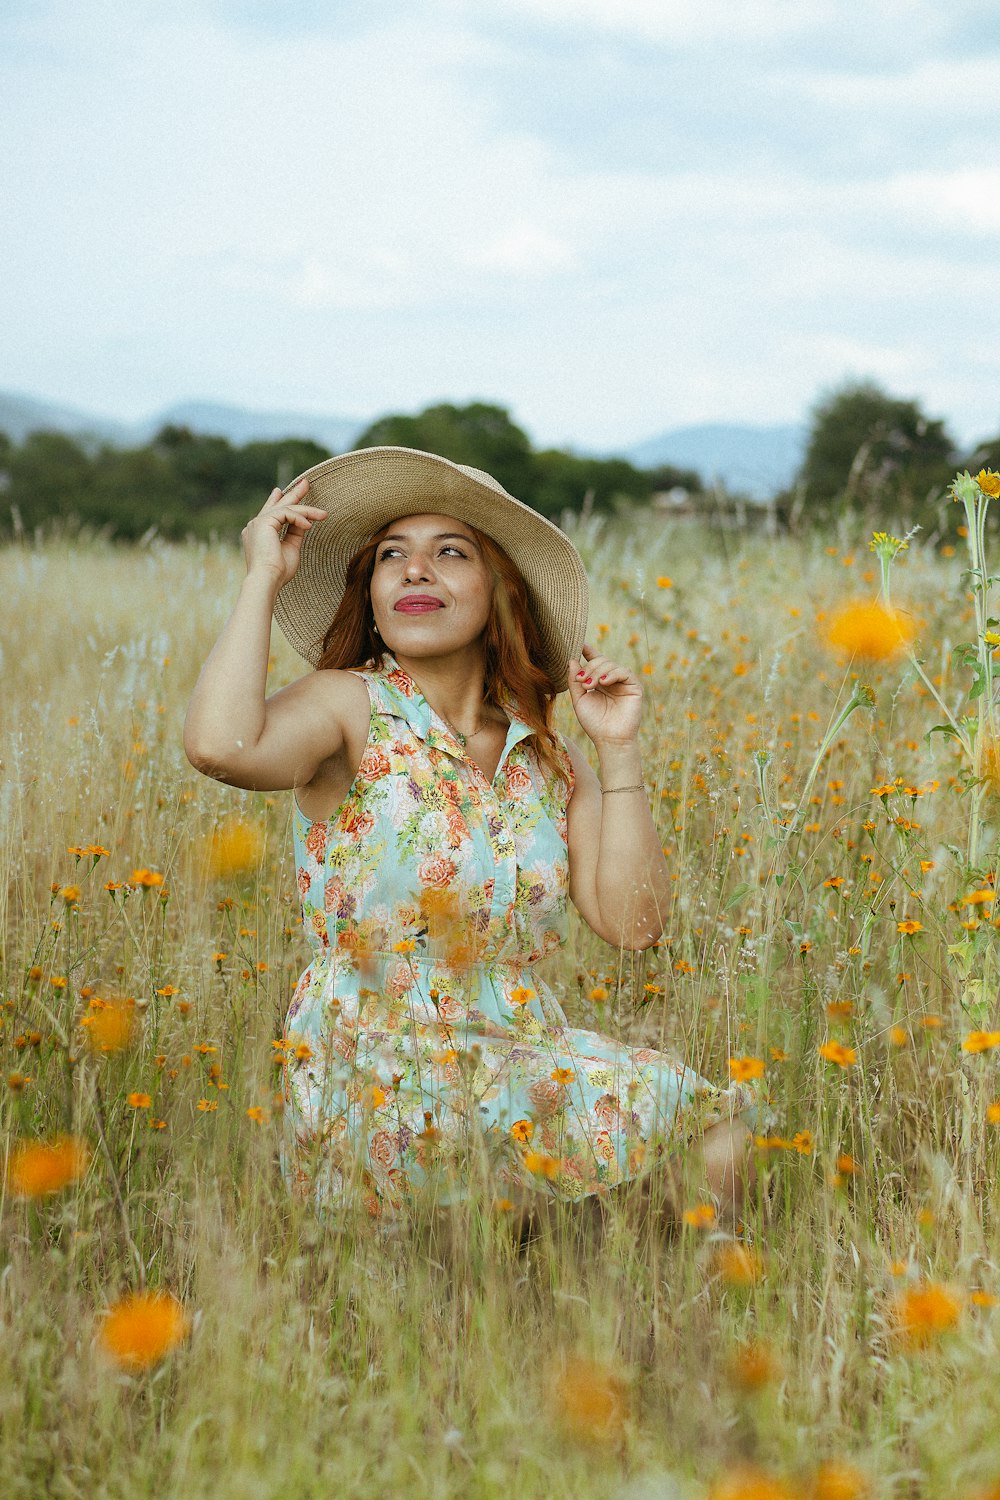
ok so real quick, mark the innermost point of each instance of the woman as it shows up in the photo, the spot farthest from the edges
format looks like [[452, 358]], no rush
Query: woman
[[440, 823]]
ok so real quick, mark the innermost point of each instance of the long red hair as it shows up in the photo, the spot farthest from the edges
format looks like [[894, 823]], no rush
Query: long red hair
[[511, 643]]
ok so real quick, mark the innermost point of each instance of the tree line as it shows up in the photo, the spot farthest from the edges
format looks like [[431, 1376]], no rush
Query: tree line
[[865, 450]]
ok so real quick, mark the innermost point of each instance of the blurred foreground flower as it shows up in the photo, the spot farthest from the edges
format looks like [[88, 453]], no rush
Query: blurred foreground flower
[[37, 1168], [838, 1481], [752, 1366], [109, 1025], [591, 1401], [142, 1329], [233, 849], [739, 1265], [924, 1312], [750, 1484], [869, 631]]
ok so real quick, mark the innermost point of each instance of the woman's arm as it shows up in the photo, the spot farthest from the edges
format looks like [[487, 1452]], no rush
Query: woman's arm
[[232, 732], [618, 876]]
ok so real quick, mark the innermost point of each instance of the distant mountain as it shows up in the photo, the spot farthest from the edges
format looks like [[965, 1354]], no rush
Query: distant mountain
[[753, 461], [20, 415]]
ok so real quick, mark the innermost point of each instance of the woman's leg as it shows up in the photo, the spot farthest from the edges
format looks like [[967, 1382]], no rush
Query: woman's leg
[[730, 1173]]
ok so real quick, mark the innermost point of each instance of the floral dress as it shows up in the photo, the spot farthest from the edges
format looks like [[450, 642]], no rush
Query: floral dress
[[421, 1045]]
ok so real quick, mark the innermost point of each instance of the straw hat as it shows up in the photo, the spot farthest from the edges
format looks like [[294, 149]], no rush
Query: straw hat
[[365, 490]]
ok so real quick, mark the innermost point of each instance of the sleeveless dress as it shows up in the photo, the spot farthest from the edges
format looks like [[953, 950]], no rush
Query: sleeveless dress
[[421, 1045]]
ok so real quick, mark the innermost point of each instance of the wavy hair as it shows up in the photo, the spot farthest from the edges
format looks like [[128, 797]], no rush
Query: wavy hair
[[511, 642]]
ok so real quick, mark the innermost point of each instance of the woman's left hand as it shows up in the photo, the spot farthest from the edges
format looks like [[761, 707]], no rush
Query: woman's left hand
[[607, 698]]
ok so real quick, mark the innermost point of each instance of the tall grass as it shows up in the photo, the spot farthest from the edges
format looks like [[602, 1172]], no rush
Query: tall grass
[[331, 1358]]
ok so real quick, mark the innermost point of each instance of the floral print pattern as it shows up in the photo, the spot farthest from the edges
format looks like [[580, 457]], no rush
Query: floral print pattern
[[420, 1040]]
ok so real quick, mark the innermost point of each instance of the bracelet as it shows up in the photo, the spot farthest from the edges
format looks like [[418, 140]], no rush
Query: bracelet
[[606, 791]]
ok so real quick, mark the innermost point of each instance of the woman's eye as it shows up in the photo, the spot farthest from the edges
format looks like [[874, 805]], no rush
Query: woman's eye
[[457, 550]]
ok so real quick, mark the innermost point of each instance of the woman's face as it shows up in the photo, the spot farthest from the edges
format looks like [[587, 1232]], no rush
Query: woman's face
[[431, 588]]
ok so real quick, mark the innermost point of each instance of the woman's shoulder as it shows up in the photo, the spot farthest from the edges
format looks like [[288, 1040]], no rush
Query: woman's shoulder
[[330, 691]]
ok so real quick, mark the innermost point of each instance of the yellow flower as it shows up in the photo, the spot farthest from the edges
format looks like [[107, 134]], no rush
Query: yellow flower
[[979, 898], [520, 995], [234, 849], [141, 1330], [869, 631], [522, 1130], [743, 1069], [993, 1113], [981, 1041], [147, 879], [258, 1115], [37, 1168], [70, 894], [207, 1106], [836, 1052], [924, 1312], [563, 1075], [663, 582], [909, 928], [989, 482]]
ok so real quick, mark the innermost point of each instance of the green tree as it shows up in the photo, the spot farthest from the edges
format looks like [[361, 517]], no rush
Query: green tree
[[50, 478], [480, 435], [865, 446]]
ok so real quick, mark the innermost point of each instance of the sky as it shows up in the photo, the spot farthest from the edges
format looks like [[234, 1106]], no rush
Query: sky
[[612, 217]]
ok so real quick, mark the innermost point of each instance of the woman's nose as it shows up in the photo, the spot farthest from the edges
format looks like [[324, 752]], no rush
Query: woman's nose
[[417, 567]]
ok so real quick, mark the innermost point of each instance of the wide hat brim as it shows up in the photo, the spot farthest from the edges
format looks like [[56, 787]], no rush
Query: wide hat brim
[[364, 490]]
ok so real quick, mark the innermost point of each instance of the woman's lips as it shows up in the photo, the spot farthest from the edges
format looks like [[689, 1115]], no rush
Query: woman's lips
[[418, 604]]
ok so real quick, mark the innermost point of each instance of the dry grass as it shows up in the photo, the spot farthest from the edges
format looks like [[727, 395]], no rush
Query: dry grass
[[325, 1358]]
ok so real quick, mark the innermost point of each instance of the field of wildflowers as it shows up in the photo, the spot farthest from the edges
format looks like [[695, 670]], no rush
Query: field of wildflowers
[[821, 738]]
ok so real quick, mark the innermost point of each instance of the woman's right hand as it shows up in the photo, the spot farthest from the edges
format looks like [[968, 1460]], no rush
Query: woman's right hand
[[264, 547]]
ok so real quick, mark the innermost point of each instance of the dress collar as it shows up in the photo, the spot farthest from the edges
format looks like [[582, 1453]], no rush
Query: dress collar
[[404, 699]]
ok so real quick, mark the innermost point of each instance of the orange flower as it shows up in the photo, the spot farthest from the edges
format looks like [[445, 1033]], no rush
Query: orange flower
[[37, 1168], [258, 1115], [234, 848], [542, 1165], [562, 1075], [909, 928], [591, 1400], [147, 879], [981, 1041], [752, 1365], [520, 995], [141, 1330], [924, 1312], [739, 1265], [207, 1106], [522, 1130], [836, 1052], [993, 1113], [834, 1480], [139, 1101], [110, 1026], [702, 1216], [750, 1484], [869, 631], [744, 1069]]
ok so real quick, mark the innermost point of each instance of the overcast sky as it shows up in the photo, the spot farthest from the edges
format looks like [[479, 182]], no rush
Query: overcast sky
[[612, 216]]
